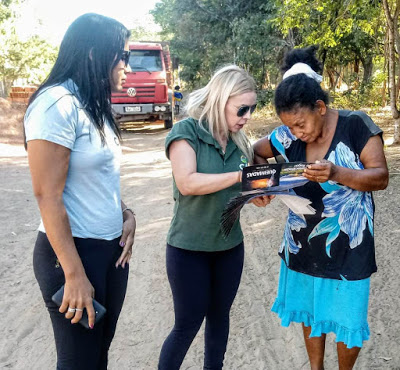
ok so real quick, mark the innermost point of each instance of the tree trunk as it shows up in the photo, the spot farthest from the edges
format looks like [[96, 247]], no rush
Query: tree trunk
[[7, 86], [392, 23], [324, 54], [367, 66], [356, 65], [331, 75], [2, 90], [263, 74], [385, 60], [338, 76], [290, 39]]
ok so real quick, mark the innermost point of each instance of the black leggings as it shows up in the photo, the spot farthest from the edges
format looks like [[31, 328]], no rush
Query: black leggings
[[204, 285], [79, 348]]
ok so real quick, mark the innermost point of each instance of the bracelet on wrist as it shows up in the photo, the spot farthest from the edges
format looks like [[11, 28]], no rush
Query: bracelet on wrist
[[128, 209]]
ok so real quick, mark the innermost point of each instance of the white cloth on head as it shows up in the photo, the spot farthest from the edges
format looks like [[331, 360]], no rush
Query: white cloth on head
[[303, 68]]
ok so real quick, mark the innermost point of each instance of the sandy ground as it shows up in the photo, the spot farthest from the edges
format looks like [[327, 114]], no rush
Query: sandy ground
[[257, 341]]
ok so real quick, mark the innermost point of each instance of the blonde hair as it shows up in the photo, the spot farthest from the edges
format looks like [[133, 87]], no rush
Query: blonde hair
[[208, 104]]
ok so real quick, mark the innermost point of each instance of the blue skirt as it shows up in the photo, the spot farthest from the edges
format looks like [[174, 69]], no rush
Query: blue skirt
[[327, 305]]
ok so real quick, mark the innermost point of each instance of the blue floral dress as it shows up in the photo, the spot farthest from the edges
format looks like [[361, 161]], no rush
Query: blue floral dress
[[328, 257]]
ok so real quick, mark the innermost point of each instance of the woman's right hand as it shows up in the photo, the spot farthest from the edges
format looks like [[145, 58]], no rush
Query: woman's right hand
[[78, 295]]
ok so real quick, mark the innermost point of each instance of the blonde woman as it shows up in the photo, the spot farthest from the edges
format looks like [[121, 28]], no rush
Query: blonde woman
[[207, 153]]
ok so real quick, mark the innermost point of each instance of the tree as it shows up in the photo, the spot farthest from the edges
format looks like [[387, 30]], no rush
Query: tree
[[258, 47], [144, 29], [205, 34], [346, 31], [141, 33], [5, 11], [30, 59]]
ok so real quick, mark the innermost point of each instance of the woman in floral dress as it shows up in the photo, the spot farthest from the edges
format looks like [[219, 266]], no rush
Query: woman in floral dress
[[327, 257]]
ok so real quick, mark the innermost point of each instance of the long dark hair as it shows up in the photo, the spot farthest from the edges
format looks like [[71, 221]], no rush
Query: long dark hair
[[90, 49]]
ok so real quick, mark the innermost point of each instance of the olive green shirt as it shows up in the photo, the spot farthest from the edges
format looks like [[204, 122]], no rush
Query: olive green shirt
[[195, 223]]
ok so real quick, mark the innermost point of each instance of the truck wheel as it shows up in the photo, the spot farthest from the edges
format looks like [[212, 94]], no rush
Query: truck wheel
[[168, 123]]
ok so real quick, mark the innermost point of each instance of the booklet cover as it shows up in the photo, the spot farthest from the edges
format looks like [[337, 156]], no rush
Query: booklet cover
[[262, 176], [277, 179]]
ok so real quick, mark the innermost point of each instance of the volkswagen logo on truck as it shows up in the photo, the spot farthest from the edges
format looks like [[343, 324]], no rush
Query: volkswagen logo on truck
[[131, 91]]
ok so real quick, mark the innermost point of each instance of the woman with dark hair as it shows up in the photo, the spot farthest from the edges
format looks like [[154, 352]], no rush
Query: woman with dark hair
[[86, 234], [327, 257]]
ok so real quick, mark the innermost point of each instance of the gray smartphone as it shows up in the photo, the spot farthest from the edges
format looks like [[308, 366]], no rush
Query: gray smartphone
[[98, 308]]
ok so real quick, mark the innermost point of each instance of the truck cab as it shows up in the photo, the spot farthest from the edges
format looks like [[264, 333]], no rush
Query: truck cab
[[147, 92]]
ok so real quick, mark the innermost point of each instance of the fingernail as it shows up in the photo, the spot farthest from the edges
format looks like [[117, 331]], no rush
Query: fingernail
[[122, 244], [91, 326]]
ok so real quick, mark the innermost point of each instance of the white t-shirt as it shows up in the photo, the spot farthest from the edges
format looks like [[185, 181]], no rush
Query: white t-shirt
[[92, 189]]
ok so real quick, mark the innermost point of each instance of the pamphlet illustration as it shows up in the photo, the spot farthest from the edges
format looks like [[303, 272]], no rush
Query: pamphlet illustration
[[277, 179]]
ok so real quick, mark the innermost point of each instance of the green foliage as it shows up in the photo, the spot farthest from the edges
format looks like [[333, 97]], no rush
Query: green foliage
[[30, 59], [141, 33], [326, 22], [370, 96], [265, 97], [257, 45], [5, 11], [346, 100], [346, 31], [206, 34]]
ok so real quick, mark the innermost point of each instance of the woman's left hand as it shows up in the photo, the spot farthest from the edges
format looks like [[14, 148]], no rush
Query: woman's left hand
[[127, 239], [262, 201], [320, 171]]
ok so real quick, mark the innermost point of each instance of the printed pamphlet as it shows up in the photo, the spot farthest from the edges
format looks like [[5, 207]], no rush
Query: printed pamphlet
[[277, 179]]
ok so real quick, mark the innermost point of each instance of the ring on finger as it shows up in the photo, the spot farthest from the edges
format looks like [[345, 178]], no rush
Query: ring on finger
[[71, 309], [78, 309]]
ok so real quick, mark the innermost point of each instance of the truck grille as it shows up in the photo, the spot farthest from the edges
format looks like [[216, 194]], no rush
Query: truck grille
[[141, 92]]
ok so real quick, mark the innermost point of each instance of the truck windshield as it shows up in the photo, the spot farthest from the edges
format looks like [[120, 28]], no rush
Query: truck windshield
[[145, 60]]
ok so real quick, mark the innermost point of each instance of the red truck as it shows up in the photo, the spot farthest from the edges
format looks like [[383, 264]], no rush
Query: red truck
[[147, 92]]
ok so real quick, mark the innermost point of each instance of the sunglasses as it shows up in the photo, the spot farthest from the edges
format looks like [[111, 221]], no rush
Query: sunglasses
[[245, 108], [125, 57]]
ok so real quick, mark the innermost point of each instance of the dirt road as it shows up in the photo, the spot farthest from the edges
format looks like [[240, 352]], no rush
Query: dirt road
[[257, 342]]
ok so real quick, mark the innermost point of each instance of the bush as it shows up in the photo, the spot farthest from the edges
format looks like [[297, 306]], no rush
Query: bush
[[349, 99], [265, 97], [367, 96]]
